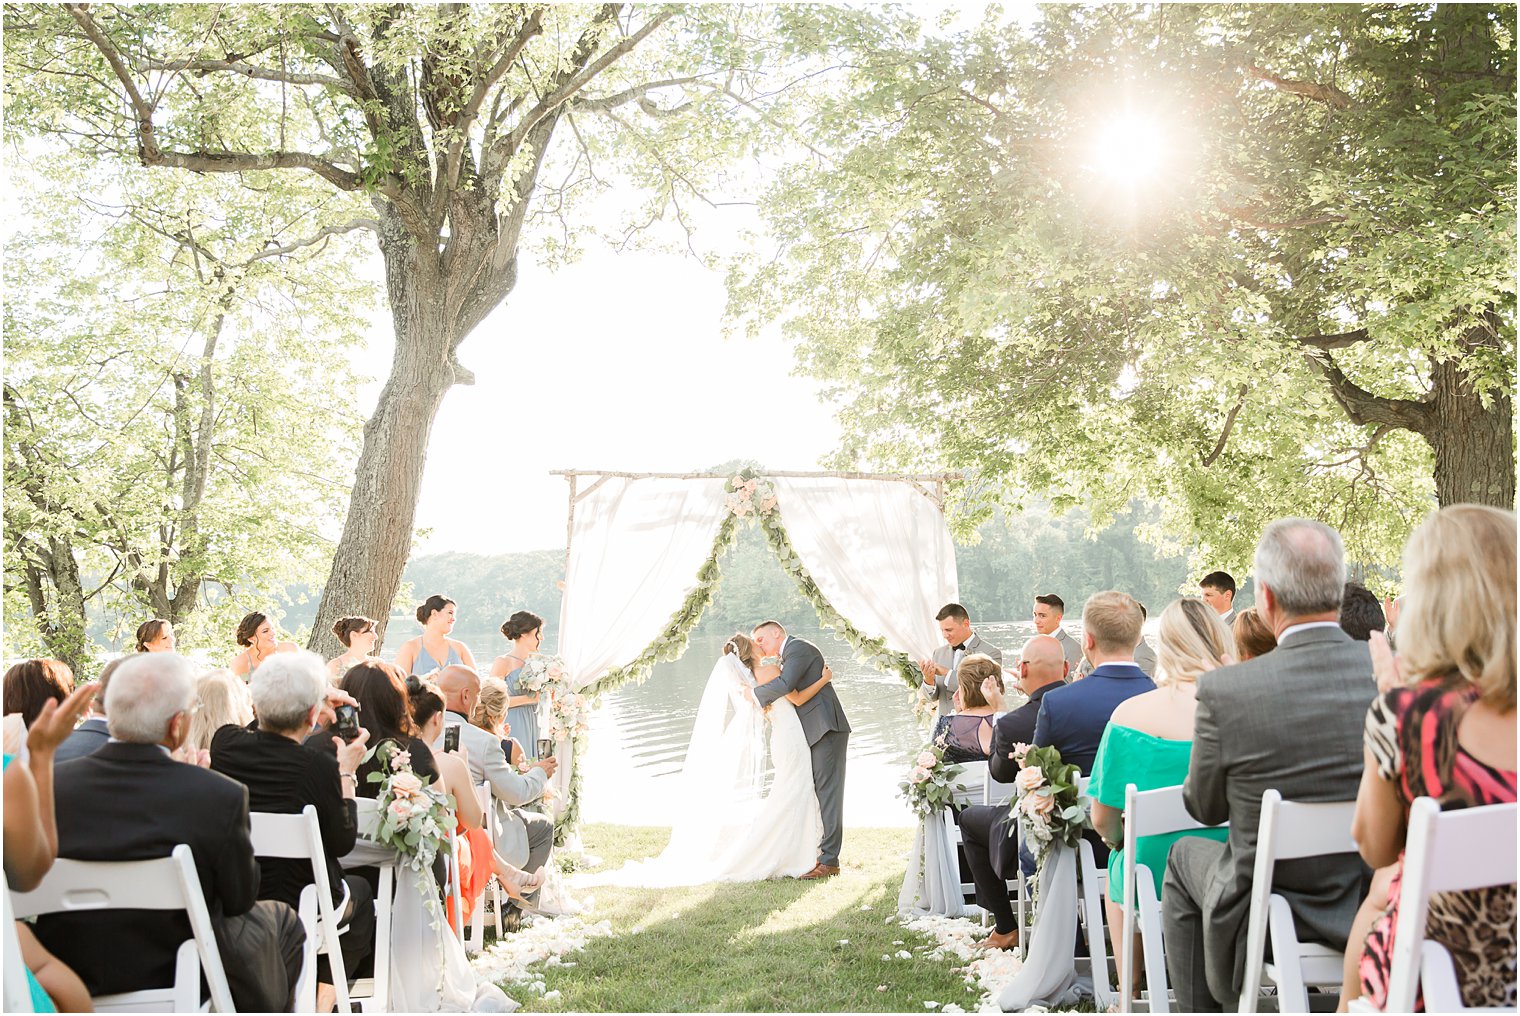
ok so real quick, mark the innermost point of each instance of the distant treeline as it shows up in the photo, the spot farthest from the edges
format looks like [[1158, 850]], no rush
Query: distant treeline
[[1017, 557]]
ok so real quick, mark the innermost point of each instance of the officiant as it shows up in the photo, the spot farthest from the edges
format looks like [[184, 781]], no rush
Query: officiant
[[960, 641]]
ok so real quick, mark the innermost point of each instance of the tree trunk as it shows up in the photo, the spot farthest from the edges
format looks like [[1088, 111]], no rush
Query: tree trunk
[[377, 535], [1474, 444]]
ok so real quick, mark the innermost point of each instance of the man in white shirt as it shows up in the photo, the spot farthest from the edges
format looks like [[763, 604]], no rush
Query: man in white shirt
[[1218, 590], [1048, 611], [960, 641]]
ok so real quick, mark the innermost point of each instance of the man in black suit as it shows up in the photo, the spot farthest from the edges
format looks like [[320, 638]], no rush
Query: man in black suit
[[132, 801], [985, 832], [824, 726], [283, 775]]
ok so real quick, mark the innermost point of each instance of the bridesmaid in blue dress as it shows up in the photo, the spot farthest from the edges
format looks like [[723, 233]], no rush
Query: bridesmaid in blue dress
[[525, 630], [433, 649]]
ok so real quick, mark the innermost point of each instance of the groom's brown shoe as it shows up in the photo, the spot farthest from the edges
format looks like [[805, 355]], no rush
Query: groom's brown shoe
[[819, 871]]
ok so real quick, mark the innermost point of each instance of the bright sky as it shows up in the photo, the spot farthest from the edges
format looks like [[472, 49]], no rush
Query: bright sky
[[617, 362]]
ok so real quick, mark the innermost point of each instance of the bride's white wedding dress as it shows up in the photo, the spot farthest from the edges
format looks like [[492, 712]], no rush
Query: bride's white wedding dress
[[728, 831]]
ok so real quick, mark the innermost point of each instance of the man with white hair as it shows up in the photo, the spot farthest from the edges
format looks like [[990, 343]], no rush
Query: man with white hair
[[130, 801], [283, 775], [1289, 721]]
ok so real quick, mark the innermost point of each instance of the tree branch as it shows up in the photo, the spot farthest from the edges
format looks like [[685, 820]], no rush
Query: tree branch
[[1340, 340], [1364, 408], [319, 236], [1247, 217], [602, 103], [252, 71], [1229, 425], [1328, 94]]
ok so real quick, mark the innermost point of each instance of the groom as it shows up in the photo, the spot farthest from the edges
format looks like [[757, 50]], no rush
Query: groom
[[824, 726]]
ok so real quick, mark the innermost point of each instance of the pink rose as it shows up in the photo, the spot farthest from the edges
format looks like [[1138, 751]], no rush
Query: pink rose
[[1029, 779], [1038, 805], [400, 811], [919, 774], [556, 671], [1020, 752], [737, 481], [405, 784], [401, 760], [768, 502], [750, 486], [926, 760]]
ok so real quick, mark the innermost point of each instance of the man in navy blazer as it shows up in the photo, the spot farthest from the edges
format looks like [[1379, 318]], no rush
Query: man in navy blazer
[[1072, 718]]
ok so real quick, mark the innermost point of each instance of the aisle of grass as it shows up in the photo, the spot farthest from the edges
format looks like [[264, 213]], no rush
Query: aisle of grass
[[768, 946]]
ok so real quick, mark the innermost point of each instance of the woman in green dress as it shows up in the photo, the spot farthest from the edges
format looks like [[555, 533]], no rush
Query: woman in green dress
[[1149, 741]]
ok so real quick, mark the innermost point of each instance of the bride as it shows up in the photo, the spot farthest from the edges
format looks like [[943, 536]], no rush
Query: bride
[[728, 831]]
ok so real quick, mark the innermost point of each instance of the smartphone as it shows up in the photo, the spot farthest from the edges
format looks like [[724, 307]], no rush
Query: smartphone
[[346, 722], [451, 738], [545, 747]]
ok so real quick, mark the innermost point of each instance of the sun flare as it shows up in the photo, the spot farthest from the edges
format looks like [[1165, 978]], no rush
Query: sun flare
[[1129, 149]]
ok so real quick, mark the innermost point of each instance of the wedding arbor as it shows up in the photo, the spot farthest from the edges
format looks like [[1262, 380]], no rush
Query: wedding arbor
[[870, 552]]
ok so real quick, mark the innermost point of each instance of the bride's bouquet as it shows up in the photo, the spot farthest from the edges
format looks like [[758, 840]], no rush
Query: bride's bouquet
[[414, 818], [568, 711], [930, 785], [1048, 806]]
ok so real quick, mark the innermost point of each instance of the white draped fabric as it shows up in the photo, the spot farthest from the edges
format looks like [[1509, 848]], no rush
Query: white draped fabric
[[932, 883], [879, 552], [634, 554]]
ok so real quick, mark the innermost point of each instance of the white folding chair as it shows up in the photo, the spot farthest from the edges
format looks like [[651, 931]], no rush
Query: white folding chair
[[965, 792], [1291, 830], [456, 893], [1450, 851], [18, 992], [474, 936], [1091, 883], [1147, 813], [165, 883], [374, 993], [299, 837], [996, 792]]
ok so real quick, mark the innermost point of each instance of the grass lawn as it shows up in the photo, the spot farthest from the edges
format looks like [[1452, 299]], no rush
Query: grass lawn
[[767, 946]]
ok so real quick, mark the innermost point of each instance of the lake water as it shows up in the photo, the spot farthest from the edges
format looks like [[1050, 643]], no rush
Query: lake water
[[639, 735]]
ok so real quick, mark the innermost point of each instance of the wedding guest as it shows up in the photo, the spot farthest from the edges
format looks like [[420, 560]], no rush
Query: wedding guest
[[525, 836], [283, 776], [93, 732], [151, 803], [1218, 589], [1444, 727], [479, 861], [433, 650], [960, 642], [967, 733], [984, 828], [490, 714], [525, 630], [256, 632], [222, 699], [1072, 719], [1049, 609], [1252, 636], [155, 636], [31, 846], [1148, 742], [1289, 721], [359, 637], [1145, 656], [31, 684], [385, 711], [1361, 613]]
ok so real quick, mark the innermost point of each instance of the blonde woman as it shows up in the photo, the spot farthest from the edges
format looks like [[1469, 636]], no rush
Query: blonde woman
[[1149, 742], [223, 698], [491, 715], [1442, 727]]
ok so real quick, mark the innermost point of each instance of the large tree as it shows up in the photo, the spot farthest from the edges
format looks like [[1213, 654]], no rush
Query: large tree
[[178, 397], [455, 124], [1249, 260]]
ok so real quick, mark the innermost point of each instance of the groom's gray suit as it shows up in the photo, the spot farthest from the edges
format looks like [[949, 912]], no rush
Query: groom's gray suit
[[827, 733]]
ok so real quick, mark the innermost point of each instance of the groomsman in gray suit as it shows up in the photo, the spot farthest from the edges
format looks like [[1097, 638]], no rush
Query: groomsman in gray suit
[[960, 641], [1048, 611], [1291, 721], [824, 726]]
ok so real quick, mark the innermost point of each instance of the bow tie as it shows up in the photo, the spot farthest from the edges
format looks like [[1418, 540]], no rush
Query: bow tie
[[956, 649]]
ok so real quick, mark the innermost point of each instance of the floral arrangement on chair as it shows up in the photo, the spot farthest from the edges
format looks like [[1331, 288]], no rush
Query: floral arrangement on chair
[[1048, 805], [930, 785], [750, 496], [415, 819]]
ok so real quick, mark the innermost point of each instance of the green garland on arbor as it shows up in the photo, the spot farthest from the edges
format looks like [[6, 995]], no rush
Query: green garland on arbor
[[749, 498]]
